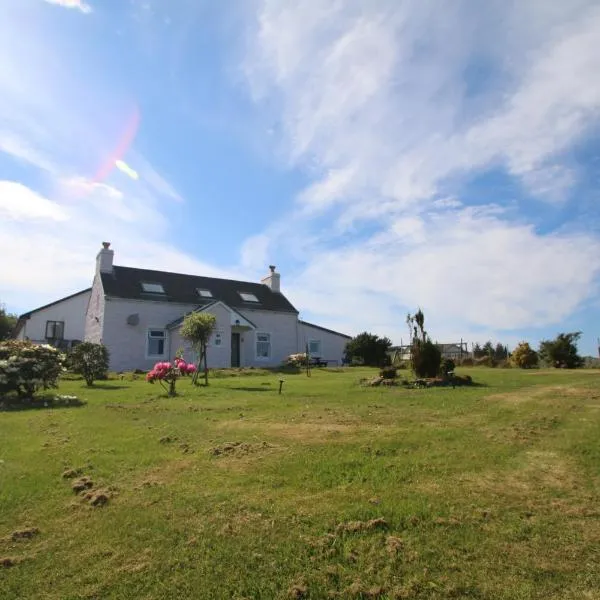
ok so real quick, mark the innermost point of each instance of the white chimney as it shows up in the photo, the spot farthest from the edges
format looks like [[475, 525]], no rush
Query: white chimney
[[104, 260], [273, 279]]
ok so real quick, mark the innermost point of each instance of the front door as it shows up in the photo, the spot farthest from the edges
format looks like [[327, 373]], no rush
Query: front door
[[235, 349]]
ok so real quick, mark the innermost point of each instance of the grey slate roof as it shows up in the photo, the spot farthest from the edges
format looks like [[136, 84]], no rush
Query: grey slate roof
[[179, 321], [126, 282], [325, 329]]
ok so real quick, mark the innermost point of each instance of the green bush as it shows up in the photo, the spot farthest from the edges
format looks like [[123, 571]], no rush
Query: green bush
[[447, 366], [90, 361], [426, 358], [368, 349], [295, 360], [388, 372], [524, 356], [26, 368]]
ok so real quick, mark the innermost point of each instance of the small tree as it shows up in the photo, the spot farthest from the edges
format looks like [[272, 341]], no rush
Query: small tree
[[524, 356], [197, 328], [90, 360], [561, 352], [369, 349], [167, 374], [7, 323], [425, 356]]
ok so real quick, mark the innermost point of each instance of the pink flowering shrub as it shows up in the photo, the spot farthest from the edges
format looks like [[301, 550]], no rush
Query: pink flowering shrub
[[167, 373]]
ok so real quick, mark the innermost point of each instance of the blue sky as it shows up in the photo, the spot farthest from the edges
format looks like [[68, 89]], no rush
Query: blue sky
[[384, 155]]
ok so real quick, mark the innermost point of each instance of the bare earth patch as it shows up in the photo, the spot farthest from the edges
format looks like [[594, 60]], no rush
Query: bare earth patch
[[535, 392]]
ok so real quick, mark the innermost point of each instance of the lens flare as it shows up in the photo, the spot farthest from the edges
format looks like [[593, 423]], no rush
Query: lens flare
[[125, 168]]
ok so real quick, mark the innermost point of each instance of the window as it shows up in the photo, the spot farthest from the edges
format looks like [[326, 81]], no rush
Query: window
[[152, 288], [204, 293], [314, 347], [218, 338], [55, 330], [263, 345], [156, 342], [248, 297]]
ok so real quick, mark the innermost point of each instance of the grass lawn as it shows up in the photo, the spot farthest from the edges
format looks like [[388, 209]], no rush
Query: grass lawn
[[330, 490]]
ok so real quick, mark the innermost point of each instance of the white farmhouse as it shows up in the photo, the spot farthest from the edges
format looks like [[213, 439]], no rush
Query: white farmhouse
[[60, 323], [137, 314]]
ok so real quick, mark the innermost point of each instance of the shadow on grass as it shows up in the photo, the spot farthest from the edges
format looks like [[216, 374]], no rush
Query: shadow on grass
[[41, 403], [106, 386], [248, 388]]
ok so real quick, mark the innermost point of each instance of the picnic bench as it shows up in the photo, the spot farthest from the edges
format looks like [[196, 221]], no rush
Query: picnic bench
[[317, 361]]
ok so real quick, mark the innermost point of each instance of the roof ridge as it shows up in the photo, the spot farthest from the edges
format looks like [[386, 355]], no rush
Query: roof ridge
[[193, 275]]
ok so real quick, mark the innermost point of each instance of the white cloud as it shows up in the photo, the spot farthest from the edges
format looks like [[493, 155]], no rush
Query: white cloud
[[77, 4], [387, 106], [20, 203]]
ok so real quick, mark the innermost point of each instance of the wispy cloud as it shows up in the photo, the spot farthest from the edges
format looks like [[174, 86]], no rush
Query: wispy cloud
[[63, 130], [18, 202], [394, 106], [77, 4]]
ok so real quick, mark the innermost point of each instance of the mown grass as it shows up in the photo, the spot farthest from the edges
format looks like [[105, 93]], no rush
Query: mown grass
[[487, 492]]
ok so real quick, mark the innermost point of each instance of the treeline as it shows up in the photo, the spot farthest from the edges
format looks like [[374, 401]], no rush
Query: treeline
[[497, 352]]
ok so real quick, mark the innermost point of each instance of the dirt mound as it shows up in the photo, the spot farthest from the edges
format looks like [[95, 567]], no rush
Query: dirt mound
[[237, 448], [297, 592], [8, 562], [24, 534], [82, 484], [71, 473], [362, 526]]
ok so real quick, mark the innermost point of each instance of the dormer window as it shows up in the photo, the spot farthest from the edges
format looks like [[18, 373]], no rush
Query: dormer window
[[248, 297], [204, 293], [152, 288]]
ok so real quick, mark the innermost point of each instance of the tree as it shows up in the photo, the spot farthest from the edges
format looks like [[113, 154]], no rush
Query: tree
[[500, 352], [488, 349], [425, 356], [197, 328], [561, 352], [7, 323], [89, 360], [477, 351], [368, 348], [524, 356]]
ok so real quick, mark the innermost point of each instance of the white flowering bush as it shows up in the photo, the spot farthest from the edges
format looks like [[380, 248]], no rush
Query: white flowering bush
[[26, 368]]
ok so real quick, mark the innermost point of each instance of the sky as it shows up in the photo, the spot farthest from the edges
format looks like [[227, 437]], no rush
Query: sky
[[384, 155]]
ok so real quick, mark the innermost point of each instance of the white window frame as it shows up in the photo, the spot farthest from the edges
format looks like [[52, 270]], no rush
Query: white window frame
[[256, 342], [148, 338], [60, 325], [204, 293], [249, 297], [212, 342], [318, 353]]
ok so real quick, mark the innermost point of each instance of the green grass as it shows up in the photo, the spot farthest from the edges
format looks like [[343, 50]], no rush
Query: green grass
[[488, 492]]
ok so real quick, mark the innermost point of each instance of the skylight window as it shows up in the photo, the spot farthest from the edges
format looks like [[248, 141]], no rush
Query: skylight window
[[204, 293], [153, 288], [247, 297]]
